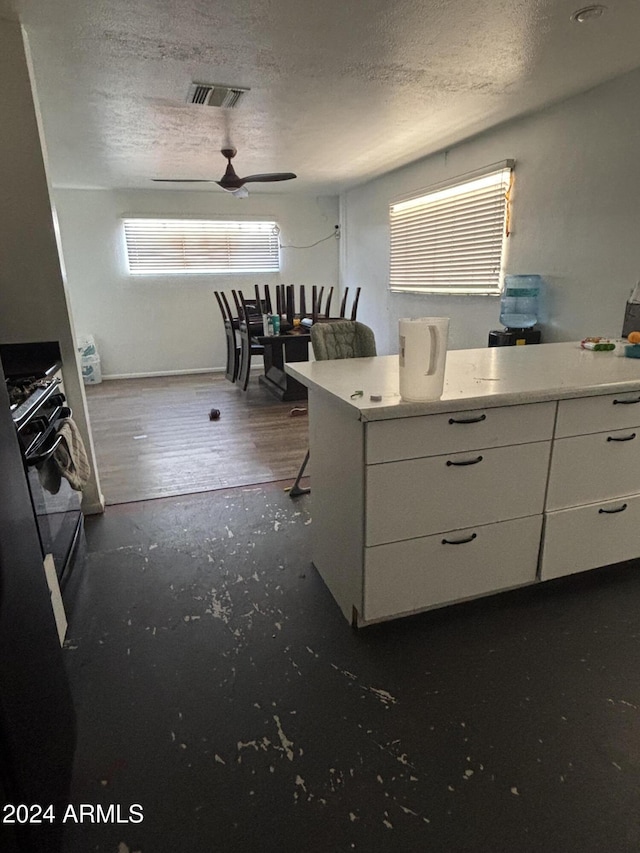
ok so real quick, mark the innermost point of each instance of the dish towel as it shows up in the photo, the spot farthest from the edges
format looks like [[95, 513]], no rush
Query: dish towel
[[70, 455]]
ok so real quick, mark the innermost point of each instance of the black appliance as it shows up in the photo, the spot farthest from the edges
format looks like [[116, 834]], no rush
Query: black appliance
[[38, 406], [514, 337], [37, 719], [631, 318]]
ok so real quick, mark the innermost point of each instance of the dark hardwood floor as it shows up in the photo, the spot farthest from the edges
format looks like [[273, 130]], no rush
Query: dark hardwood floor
[[153, 437]]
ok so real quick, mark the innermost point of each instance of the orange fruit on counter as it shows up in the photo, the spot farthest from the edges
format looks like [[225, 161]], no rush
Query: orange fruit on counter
[[633, 337]]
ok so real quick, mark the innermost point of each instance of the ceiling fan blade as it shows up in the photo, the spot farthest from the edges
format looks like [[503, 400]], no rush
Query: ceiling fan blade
[[230, 182], [273, 176], [182, 181]]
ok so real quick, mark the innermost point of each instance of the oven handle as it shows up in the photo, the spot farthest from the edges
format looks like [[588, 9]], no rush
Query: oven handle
[[51, 391], [33, 450], [39, 441], [37, 458], [60, 414]]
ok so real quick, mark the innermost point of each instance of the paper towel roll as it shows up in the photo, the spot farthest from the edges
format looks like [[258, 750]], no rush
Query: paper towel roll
[[423, 353]]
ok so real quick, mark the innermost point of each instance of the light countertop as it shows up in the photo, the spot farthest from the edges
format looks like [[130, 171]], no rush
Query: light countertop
[[475, 378]]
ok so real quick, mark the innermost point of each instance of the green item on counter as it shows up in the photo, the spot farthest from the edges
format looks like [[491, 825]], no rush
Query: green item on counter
[[597, 344]]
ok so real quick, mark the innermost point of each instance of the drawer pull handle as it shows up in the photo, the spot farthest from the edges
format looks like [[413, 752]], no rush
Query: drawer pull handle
[[621, 437], [468, 420], [611, 511], [459, 541], [465, 461], [625, 402]]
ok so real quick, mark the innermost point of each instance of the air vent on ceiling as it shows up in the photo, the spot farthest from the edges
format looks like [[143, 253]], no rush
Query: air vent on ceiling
[[215, 95]]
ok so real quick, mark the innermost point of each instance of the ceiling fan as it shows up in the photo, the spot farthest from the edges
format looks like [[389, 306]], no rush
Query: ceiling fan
[[230, 180]]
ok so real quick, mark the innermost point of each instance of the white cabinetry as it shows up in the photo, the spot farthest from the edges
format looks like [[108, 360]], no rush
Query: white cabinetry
[[593, 500], [443, 523], [527, 468], [586, 537], [421, 496], [420, 573]]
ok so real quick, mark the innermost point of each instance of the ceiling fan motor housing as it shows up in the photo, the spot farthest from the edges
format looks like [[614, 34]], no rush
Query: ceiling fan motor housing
[[230, 180]]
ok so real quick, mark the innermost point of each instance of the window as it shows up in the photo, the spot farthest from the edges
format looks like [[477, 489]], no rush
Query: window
[[185, 246], [451, 238]]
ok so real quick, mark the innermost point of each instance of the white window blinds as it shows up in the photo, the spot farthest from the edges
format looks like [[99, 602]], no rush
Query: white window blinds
[[179, 246], [451, 238]]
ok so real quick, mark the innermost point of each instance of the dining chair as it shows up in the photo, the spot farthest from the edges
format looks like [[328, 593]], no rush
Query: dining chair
[[253, 303], [302, 302], [293, 308], [290, 303], [231, 325], [339, 339], [264, 301], [354, 306], [250, 325], [318, 310], [342, 339]]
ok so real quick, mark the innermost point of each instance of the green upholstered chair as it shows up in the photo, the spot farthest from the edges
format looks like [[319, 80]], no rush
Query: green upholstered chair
[[337, 339], [342, 339]]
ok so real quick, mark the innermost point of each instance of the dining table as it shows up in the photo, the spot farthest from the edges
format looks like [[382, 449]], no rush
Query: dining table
[[288, 346]]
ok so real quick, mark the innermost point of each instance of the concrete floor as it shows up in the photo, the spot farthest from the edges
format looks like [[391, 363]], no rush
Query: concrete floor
[[218, 686]]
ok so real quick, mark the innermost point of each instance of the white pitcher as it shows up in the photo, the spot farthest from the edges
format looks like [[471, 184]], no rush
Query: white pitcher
[[423, 354]]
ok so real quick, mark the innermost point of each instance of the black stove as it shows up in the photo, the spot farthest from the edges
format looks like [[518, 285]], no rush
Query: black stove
[[38, 409], [22, 388]]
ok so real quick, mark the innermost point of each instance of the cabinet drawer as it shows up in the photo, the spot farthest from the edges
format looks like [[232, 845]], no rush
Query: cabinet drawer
[[590, 536], [406, 576], [431, 435], [588, 468], [417, 497], [595, 414]]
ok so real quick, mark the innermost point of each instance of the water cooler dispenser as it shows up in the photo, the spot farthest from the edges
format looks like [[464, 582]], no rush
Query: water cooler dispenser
[[519, 308]]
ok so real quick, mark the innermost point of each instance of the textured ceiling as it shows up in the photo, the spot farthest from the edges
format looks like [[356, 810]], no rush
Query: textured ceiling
[[341, 91]]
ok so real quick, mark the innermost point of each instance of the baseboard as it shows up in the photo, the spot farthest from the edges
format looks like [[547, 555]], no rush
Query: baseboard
[[163, 373]]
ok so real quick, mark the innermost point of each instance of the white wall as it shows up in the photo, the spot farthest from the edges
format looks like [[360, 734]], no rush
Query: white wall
[[576, 220], [33, 298], [164, 324]]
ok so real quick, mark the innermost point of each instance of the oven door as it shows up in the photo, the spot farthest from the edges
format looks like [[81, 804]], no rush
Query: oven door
[[56, 504]]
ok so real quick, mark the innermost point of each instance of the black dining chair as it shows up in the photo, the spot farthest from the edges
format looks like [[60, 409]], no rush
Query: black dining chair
[[249, 326], [290, 303], [281, 302], [288, 307], [298, 308], [264, 301], [320, 310], [354, 306], [302, 302], [231, 328]]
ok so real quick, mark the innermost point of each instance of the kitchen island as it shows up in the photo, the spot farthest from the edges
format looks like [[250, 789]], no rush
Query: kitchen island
[[527, 468]]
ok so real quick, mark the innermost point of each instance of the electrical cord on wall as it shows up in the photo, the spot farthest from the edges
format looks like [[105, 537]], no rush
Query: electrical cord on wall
[[335, 234]]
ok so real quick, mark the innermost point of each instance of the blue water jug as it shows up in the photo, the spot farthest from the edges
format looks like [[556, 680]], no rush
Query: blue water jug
[[519, 301]]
